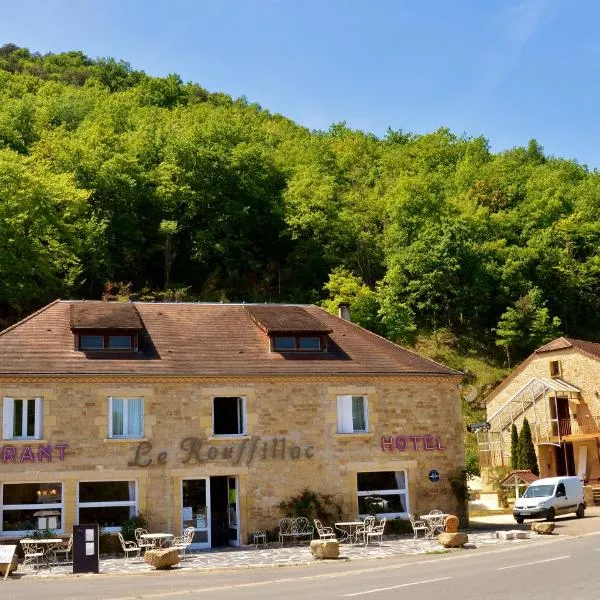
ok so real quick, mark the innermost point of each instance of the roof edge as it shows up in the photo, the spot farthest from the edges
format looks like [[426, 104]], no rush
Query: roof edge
[[28, 317]]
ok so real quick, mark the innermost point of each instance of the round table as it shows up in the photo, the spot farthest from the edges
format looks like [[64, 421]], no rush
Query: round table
[[158, 539]]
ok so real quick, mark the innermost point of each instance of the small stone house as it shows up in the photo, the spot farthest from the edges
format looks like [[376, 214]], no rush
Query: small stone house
[[210, 415], [558, 389]]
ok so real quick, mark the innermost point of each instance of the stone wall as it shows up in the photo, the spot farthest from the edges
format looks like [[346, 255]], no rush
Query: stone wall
[[291, 442]]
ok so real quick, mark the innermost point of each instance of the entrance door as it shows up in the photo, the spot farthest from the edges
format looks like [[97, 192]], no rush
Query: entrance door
[[565, 459], [233, 511], [195, 510]]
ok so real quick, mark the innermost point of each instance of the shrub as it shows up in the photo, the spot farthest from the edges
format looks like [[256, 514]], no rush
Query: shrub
[[129, 526], [312, 505]]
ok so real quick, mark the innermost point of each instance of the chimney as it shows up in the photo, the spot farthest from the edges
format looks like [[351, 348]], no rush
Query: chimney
[[344, 311]]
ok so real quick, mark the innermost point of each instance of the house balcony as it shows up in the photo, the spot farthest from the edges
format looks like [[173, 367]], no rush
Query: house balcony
[[580, 427]]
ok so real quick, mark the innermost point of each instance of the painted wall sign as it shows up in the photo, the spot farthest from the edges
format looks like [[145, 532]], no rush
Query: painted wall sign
[[405, 443], [243, 453], [32, 454], [434, 475]]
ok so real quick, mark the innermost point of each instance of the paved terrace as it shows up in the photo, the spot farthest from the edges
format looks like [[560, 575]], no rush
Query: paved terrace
[[482, 533]]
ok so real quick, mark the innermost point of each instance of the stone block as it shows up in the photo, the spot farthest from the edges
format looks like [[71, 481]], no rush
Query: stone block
[[325, 548], [453, 540], [505, 535], [163, 558], [543, 528], [451, 524]]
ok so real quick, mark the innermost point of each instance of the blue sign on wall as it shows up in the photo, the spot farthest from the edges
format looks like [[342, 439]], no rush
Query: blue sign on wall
[[434, 475]]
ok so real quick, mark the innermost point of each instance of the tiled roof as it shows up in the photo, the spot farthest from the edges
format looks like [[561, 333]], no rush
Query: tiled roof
[[563, 343], [105, 315], [519, 476], [293, 320], [205, 339]]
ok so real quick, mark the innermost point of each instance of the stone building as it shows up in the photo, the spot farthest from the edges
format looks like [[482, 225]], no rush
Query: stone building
[[209, 415], [558, 389]]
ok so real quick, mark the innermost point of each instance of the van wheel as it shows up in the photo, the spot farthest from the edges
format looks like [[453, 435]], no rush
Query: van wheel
[[519, 520], [551, 514], [580, 511]]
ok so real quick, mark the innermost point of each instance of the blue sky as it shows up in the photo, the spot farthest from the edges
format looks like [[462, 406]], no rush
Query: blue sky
[[509, 70]]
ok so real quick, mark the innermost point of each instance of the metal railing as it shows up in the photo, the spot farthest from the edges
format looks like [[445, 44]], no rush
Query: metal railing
[[577, 426]]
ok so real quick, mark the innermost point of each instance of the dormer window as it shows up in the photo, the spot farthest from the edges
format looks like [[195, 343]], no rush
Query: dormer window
[[109, 341], [293, 343]]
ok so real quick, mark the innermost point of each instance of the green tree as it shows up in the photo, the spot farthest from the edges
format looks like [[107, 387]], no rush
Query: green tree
[[527, 458], [514, 447]]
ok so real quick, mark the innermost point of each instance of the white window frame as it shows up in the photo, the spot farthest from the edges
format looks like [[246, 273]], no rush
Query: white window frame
[[126, 418], [132, 504], [383, 493], [345, 414], [59, 506], [8, 419], [242, 418]]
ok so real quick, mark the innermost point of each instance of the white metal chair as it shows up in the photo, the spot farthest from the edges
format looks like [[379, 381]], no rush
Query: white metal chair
[[63, 550], [436, 522], [128, 547], [417, 526], [375, 532], [142, 544], [360, 534], [182, 542], [31, 553], [325, 533]]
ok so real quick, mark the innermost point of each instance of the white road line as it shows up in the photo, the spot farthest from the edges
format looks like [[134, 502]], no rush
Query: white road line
[[395, 587], [537, 562]]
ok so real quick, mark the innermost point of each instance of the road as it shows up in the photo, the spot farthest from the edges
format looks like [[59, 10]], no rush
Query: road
[[559, 568]]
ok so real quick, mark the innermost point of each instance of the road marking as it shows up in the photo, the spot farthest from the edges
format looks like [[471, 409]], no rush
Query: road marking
[[395, 587], [537, 562]]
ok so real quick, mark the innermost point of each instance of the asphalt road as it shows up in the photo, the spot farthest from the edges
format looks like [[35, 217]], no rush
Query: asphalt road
[[556, 568]]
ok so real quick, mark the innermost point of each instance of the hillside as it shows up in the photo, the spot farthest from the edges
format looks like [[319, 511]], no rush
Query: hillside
[[166, 190]]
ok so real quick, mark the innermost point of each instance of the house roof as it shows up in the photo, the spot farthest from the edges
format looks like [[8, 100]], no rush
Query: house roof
[[519, 477], [105, 315], [204, 339]]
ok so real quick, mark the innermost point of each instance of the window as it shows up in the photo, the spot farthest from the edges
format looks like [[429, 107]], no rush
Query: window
[[555, 368], [229, 415], [108, 503], [383, 493], [352, 414], [22, 419], [293, 343], [99, 341], [125, 417], [29, 506]]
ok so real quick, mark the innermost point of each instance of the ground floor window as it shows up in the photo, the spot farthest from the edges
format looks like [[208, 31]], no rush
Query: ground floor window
[[384, 493], [29, 507], [108, 503]]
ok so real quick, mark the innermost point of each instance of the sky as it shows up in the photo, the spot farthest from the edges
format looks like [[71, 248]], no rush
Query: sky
[[509, 70]]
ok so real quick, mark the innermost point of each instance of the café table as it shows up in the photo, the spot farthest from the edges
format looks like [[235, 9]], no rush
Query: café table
[[159, 540], [348, 530], [48, 546], [434, 522]]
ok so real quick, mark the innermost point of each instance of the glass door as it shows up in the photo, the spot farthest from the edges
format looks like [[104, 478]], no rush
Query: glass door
[[233, 511], [195, 510]]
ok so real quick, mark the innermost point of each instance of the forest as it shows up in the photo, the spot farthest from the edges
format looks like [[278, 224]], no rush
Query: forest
[[157, 189]]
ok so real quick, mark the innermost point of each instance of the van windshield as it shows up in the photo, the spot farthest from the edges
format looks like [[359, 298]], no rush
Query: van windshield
[[537, 491]]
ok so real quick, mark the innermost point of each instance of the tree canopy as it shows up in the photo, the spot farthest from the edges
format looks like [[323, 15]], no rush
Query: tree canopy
[[108, 174]]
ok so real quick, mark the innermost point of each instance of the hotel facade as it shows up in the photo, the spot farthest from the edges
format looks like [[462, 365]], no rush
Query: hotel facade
[[210, 415]]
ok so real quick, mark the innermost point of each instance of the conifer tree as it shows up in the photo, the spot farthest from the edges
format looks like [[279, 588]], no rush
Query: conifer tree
[[526, 457]]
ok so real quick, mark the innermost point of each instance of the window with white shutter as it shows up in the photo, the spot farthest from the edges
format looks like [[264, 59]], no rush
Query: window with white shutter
[[352, 414], [22, 418]]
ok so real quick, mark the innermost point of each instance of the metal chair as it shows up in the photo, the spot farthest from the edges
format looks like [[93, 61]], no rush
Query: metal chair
[[325, 533], [417, 526], [31, 553], [128, 547], [436, 522], [182, 542], [375, 532], [63, 550], [361, 531], [143, 544]]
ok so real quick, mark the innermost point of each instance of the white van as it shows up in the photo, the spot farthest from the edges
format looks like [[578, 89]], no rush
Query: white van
[[546, 498]]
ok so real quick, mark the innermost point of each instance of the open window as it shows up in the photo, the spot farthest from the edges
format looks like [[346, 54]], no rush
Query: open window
[[555, 368], [352, 414], [229, 415]]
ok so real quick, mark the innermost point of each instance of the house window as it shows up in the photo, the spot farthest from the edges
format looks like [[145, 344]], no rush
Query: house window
[[22, 418], [125, 417], [229, 415], [26, 507], [555, 368], [108, 503], [352, 414], [383, 493], [105, 342], [293, 343]]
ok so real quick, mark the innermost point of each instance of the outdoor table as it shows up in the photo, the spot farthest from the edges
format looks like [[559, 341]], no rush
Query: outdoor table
[[49, 545], [348, 530], [158, 539], [432, 522]]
